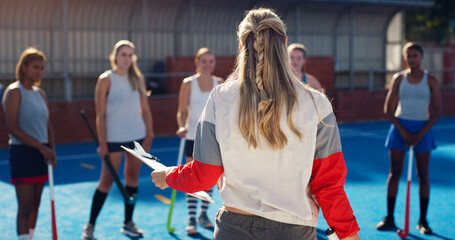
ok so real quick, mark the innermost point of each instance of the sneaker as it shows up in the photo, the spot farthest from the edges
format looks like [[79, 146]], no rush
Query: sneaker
[[87, 234], [191, 227], [204, 221], [386, 224], [131, 230], [424, 228]]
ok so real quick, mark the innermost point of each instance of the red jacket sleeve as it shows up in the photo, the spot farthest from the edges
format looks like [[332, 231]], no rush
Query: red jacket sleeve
[[327, 185], [193, 177]]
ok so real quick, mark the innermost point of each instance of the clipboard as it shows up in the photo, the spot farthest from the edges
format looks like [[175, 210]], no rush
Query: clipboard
[[152, 162]]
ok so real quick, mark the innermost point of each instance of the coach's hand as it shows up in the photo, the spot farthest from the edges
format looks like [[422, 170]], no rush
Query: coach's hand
[[159, 178]]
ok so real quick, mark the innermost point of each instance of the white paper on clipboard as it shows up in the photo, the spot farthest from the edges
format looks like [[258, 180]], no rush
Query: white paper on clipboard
[[149, 162], [156, 166]]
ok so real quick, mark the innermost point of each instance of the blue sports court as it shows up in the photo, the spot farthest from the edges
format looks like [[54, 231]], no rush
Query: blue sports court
[[366, 159]]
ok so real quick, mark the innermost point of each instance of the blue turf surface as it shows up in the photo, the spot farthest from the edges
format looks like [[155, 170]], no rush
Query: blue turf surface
[[366, 159]]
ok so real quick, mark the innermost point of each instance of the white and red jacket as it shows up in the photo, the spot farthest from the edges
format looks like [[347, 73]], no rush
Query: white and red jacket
[[288, 185]]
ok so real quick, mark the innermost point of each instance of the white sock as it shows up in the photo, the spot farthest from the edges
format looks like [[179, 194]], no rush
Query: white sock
[[23, 237], [30, 232]]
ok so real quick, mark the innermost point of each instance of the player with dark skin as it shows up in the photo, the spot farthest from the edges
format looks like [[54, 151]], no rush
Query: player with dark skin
[[413, 75], [32, 141]]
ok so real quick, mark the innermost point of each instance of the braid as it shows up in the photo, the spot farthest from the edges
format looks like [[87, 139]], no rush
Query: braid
[[266, 80], [259, 55], [267, 107]]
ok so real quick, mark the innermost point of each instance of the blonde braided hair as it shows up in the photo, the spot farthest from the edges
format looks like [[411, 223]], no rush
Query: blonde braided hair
[[265, 79]]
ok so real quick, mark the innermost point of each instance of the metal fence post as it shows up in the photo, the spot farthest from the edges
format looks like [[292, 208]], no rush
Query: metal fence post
[[370, 79], [67, 83]]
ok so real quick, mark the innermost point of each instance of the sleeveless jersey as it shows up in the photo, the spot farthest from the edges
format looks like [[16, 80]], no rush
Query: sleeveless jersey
[[33, 115], [196, 105], [414, 99], [124, 121]]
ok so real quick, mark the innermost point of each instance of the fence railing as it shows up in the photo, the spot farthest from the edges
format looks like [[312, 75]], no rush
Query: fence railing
[[446, 81], [83, 84]]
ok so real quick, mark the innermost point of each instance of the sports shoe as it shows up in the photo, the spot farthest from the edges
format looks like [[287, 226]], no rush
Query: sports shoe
[[424, 228], [87, 234], [131, 230], [191, 226], [386, 224], [204, 221]]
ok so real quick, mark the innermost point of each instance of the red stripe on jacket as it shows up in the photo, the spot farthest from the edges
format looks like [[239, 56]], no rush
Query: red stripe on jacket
[[327, 185], [193, 177]]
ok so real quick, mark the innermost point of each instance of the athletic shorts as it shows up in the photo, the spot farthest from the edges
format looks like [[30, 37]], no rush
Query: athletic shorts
[[231, 225], [27, 165], [115, 146], [395, 140], [189, 147]]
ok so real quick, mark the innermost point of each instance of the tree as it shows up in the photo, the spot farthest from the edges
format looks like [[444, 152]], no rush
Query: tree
[[431, 25]]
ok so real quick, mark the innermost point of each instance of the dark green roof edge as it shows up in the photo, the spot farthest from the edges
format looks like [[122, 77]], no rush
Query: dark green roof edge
[[394, 3]]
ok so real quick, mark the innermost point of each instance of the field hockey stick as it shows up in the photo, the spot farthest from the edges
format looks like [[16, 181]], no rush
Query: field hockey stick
[[51, 191], [331, 234], [170, 229], [405, 232], [128, 199]]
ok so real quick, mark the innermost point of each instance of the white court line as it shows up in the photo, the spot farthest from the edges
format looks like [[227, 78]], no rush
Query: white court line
[[380, 134], [364, 134], [95, 155]]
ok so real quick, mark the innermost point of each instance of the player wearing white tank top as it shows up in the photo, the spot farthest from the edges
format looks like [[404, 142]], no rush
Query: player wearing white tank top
[[413, 105], [122, 116], [196, 104], [414, 98], [193, 96]]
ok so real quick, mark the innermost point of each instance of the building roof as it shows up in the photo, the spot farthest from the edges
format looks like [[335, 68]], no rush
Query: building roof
[[396, 3], [404, 3]]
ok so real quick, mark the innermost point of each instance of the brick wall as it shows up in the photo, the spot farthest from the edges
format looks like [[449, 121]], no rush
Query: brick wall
[[359, 105], [322, 67], [365, 105], [449, 62], [69, 127], [349, 106], [448, 101]]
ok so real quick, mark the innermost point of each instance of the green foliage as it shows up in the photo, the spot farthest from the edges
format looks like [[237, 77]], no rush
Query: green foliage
[[431, 25]]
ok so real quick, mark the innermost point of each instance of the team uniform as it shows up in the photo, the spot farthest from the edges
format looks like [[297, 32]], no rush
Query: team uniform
[[413, 114], [27, 165], [124, 124], [124, 121], [196, 105], [287, 186]]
